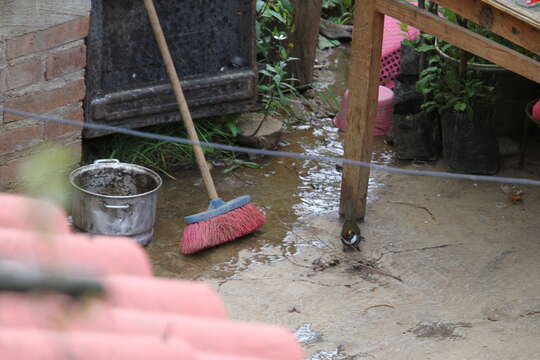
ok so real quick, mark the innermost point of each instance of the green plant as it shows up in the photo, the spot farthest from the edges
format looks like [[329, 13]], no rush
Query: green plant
[[422, 43], [275, 19], [330, 99], [339, 11], [445, 89], [165, 156]]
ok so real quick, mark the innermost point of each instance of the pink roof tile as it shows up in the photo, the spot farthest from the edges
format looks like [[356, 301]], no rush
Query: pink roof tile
[[96, 254], [31, 214], [140, 317], [164, 295]]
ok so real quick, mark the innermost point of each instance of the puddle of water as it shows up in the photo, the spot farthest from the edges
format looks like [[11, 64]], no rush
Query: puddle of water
[[288, 190], [306, 335], [329, 355]]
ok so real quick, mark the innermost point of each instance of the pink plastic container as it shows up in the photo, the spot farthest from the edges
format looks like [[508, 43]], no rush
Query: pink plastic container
[[383, 122], [536, 111]]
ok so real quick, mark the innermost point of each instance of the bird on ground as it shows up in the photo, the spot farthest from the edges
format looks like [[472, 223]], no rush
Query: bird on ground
[[350, 236]]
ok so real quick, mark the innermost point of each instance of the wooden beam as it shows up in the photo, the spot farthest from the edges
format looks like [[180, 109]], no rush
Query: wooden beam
[[364, 86], [305, 37], [529, 15], [517, 31], [462, 38]]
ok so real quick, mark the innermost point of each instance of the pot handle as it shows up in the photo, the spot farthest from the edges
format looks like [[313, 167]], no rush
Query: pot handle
[[106, 161], [116, 206]]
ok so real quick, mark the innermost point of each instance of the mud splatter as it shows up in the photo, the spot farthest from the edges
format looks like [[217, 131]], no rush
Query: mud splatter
[[439, 330]]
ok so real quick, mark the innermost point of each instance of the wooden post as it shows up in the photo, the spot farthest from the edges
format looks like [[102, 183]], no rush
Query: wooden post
[[364, 88], [304, 38]]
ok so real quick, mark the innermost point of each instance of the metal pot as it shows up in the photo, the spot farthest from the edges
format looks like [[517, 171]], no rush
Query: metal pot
[[114, 198]]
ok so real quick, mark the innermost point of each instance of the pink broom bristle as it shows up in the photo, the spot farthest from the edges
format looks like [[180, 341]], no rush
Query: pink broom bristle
[[221, 229]]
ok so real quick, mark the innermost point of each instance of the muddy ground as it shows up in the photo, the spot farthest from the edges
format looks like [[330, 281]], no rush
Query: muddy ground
[[449, 269]]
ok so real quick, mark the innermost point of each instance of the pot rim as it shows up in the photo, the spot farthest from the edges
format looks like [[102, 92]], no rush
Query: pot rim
[[118, 197]]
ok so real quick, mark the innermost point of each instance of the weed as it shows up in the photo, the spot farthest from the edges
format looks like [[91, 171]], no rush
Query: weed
[[339, 11], [275, 19], [165, 156], [444, 89], [330, 99]]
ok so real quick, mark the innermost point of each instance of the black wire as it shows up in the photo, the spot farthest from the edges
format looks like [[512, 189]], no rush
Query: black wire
[[293, 155]]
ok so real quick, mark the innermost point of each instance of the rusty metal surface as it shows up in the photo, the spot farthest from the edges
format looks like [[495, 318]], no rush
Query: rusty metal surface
[[212, 44]]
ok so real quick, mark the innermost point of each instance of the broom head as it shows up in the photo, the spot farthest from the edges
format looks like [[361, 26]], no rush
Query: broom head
[[221, 223]]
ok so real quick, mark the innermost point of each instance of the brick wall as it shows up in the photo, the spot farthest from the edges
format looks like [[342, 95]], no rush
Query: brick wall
[[41, 71]]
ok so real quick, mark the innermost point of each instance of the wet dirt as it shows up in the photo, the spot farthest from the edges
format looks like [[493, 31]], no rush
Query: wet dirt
[[445, 262], [440, 330], [288, 190]]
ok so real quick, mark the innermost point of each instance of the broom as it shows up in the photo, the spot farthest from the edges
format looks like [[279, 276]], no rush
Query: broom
[[223, 221]]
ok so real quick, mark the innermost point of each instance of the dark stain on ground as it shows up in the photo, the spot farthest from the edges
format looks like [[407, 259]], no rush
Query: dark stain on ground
[[497, 262], [439, 330]]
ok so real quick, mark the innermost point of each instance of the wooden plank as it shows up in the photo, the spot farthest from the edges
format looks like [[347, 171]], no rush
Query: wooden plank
[[305, 38], [462, 38], [500, 22], [529, 15], [364, 87]]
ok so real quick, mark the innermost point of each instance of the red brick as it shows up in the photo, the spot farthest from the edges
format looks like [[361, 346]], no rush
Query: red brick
[[42, 101], [22, 74], [66, 61], [8, 173], [54, 130], [19, 138], [47, 39]]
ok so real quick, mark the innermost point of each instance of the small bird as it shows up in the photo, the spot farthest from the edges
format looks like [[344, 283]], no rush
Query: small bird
[[350, 232], [350, 237]]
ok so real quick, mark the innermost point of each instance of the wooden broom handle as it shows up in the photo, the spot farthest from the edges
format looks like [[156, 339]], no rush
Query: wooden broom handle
[[180, 98]]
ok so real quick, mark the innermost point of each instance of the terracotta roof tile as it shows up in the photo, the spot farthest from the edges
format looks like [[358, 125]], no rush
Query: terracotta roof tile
[[31, 214], [96, 254], [140, 317]]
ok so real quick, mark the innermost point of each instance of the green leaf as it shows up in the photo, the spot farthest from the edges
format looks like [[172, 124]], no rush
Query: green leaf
[[278, 16], [280, 36], [232, 128], [286, 4], [408, 42], [271, 68], [259, 5], [283, 53], [460, 106], [251, 164], [425, 48], [231, 168], [404, 27], [325, 42]]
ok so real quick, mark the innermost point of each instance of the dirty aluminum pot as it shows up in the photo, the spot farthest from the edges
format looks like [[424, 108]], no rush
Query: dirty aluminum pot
[[114, 198]]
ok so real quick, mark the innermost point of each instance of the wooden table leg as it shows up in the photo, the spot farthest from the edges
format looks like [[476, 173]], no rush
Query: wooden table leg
[[363, 86]]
